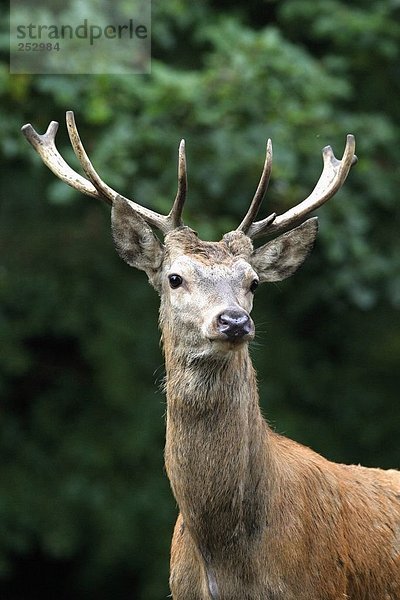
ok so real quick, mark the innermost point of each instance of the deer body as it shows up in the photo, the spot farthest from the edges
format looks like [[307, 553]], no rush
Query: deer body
[[261, 517], [265, 518]]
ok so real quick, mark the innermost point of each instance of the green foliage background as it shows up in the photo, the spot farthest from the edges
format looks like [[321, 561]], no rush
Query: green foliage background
[[85, 506]]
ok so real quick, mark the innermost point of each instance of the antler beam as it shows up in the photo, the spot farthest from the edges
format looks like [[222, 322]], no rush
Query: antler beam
[[45, 146], [332, 178]]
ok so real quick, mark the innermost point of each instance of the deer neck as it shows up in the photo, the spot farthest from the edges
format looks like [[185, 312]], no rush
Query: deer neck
[[216, 447]]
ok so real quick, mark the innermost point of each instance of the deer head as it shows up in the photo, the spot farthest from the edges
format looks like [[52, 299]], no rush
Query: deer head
[[206, 288]]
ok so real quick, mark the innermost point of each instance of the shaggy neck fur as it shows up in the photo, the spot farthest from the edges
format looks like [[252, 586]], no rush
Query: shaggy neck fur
[[215, 455]]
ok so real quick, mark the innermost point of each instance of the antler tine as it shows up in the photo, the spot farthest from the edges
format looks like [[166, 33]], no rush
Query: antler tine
[[45, 146], [260, 191], [94, 186], [332, 178], [175, 214], [103, 190]]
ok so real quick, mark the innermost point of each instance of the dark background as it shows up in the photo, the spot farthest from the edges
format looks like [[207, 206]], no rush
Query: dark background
[[85, 505]]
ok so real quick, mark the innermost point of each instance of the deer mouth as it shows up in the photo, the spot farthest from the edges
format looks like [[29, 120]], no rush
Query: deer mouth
[[226, 343]]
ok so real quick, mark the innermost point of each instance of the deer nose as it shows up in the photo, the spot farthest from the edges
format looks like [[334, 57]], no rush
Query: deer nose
[[235, 324]]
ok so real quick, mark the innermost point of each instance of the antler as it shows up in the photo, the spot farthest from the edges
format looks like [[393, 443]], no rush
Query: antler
[[332, 178], [94, 186], [260, 191]]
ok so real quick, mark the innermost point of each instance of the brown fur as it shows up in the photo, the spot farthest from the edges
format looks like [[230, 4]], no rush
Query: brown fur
[[274, 520], [261, 517]]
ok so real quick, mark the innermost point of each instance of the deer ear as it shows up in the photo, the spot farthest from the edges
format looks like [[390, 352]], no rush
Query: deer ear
[[281, 257], [134, 240]]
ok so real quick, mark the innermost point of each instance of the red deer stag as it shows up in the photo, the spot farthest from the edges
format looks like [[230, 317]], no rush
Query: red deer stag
[[261, 517]]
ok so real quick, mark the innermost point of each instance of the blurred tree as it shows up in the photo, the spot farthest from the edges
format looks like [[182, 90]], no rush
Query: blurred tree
[[86, 509]]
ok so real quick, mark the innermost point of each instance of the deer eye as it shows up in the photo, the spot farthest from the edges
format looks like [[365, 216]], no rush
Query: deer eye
[[175, 281], [254, 285]]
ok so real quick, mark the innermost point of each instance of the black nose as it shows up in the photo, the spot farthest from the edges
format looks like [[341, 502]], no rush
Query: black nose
[[234, 323]]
